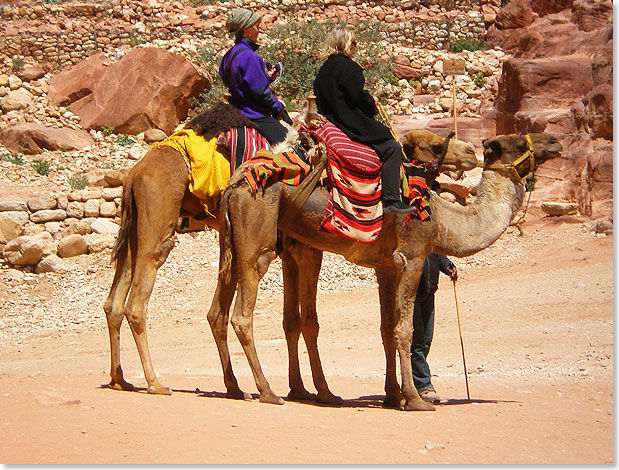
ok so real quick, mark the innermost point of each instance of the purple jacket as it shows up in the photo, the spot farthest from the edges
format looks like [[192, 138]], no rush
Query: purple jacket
[[244, 73]]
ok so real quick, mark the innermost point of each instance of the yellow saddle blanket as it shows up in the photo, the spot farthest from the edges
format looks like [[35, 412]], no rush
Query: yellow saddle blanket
[[209, 170]]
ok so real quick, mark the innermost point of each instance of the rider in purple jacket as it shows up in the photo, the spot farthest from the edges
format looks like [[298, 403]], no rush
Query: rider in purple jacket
[[245, 74]]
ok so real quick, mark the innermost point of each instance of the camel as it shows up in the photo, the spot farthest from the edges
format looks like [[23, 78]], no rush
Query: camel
[[155, 195], [248, 243]]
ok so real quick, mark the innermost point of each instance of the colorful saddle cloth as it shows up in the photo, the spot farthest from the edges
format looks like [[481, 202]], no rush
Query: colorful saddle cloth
[[267, 167], [354, 209], [209, 169]]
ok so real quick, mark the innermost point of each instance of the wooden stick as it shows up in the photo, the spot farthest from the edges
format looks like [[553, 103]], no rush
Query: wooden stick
[[466, 377]]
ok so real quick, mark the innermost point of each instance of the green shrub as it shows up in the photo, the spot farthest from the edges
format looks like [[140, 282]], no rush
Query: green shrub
[[78, 181], [17, 64], [107, 131], [479, 79], [468, 45], [15, 158], [41, 167], [124, 140]]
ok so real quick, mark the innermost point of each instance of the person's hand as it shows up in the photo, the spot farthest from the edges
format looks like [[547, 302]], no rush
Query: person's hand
[[452, 272], [273, 72]]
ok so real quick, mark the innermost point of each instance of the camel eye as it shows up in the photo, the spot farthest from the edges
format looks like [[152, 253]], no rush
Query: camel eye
[[437, 148]]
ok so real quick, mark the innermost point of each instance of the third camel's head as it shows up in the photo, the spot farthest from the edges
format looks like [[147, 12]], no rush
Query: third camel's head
[[427, 146], [514, 150]]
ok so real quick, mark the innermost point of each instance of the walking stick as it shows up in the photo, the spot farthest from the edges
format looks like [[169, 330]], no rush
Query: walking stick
[[466, 377]]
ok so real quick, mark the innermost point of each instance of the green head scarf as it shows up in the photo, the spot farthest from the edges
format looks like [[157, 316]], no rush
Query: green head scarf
[[240, 19]]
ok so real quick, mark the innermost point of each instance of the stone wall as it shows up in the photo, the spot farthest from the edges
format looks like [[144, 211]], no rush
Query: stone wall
[[66, 33]]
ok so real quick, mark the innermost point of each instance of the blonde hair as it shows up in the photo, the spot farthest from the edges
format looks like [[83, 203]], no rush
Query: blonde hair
[[341, 40]]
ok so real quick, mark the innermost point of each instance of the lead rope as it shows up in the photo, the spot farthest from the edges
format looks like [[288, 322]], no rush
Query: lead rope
[[529, 187]]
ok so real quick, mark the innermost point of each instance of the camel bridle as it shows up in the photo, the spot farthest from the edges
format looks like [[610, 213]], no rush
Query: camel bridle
[[513, 167]]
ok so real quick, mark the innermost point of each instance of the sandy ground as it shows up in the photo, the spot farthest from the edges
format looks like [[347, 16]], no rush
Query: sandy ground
[[538, 337]]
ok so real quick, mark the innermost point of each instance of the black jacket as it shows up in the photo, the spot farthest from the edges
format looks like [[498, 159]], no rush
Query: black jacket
[[341, 98], [429, 275]]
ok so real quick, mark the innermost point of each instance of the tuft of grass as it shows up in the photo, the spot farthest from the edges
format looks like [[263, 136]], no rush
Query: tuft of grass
[[42, 167], [78, 181], [15, 158], [17, 64], [479, 79], [107, 131], [468, 45], [124, 140]]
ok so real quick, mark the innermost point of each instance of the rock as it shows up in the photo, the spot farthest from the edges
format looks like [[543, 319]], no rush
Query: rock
[[603, 226], [47, 215], [91, 208], [116, 177], [109, 194], [31, 72], [75, 209], [72, 245], [15, 100], [516, 14], [80, 227], [96, 177], [9, 228], [13, 206], [32, 139], [105, 227], [77, 81], [154, 135], [98, 242], [46, 201], [21, 217], [24, 250], [52, 264], [107, 209], [559, 208], [140, 91]]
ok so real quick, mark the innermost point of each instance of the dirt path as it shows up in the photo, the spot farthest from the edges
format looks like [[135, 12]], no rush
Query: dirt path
[[538, 334]]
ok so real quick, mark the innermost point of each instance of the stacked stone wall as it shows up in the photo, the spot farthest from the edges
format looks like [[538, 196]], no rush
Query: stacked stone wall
[[133, 22]]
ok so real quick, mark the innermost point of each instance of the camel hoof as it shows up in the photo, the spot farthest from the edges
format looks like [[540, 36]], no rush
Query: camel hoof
[[392, 402], [419, 405], [238, 394], [158, 389], [271, 398], [301, 395], [121, 385], [329, 398]]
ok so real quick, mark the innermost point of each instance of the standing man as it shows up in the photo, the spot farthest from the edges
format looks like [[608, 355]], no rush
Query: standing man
[[245, 74], [423, 322]]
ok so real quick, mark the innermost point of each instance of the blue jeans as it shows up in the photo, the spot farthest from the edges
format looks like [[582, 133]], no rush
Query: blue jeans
[[423, 324]]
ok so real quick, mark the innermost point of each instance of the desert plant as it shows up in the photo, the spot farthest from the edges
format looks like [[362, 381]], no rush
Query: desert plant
[[42, 167], [125, 140], [17, 64], [107, 131], [78, 181], [468, 45], [479, 79], [15, 158]]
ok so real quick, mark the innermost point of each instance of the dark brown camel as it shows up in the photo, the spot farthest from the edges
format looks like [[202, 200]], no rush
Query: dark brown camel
[[248, 241]]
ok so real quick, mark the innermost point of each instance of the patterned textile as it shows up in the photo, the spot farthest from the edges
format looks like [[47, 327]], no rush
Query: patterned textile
[[267, 167], [244, 143], [354, 209], [209, 170], [415, 188]]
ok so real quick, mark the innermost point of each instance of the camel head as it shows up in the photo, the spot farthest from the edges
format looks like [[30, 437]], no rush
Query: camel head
[[520, 154], [426, 146]]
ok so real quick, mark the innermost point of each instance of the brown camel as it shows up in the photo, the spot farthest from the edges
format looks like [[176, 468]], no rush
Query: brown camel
[[247, 248], [155, 195]]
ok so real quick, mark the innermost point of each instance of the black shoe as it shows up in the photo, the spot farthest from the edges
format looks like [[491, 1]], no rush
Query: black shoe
[[396, 206]]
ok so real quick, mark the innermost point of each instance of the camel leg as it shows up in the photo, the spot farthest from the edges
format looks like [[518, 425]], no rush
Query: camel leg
[[114, 312], [301, 268], [388, 279], [218, 320], [405, 299], [242, 320]]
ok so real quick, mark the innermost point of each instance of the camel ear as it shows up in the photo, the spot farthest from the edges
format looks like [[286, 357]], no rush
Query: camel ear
[[492, 150]]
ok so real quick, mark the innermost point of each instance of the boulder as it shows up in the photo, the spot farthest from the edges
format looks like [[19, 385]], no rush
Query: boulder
[[32, 139], [72, 245], [31, 72], [24, 250], [9, 229], [147, 88], [105, 227], [51, 264], [559, 208], [154, 135], [41, 202], [516, 14], [13, 206], [48, 215], [15, 99], [76, 81]]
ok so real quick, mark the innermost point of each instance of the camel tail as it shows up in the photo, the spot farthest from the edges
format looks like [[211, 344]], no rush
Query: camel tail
[[126, 220], [225, 241]]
